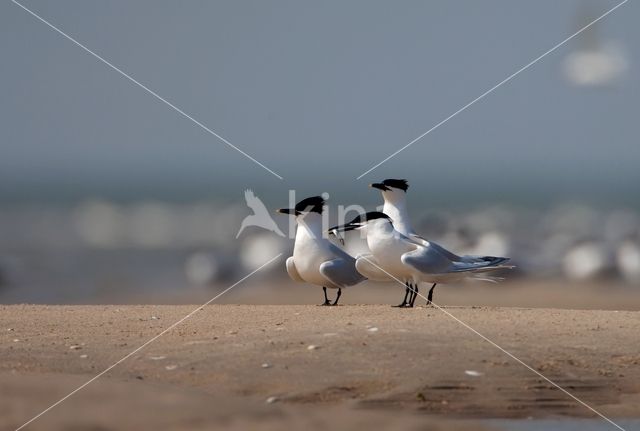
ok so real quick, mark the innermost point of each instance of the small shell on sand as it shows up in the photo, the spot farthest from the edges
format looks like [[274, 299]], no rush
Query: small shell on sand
[[171, 367], [266, 365], [373, 329], [272, 400], [473, 373], [312, 347]]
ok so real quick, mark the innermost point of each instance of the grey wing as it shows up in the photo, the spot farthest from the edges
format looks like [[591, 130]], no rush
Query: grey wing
[[432, 260], [292, 271], [462, 263], [481, 264], [341, 272], [427, 260], [446, 253]]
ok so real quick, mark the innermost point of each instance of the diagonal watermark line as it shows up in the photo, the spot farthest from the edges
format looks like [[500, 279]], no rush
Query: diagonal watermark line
[[504, 81], [106, 370], [511, 355], [148, 90]]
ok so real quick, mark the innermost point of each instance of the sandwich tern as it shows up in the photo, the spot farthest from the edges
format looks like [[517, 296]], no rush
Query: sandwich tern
[[315, 259], [394, 193], [414, 260]]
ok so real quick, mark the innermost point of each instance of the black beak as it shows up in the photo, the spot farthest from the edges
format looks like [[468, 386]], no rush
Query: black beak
[[288, 211], [379, 186], [343, 228]]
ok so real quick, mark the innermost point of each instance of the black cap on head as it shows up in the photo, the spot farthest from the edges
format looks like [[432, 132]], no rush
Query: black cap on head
[[390, 183], [312, 204], [397, 184]]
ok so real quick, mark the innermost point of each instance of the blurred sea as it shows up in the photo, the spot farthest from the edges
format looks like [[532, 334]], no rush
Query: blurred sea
[[107, 194], [107, 251]]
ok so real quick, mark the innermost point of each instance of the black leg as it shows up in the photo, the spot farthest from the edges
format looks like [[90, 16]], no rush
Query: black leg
[[430, 297], [326, 299], [337, 297], [415, 295], [404, 301], [411, 292]]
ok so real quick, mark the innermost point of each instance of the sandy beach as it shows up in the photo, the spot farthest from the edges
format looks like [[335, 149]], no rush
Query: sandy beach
[[317, 366]]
